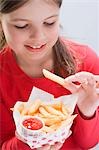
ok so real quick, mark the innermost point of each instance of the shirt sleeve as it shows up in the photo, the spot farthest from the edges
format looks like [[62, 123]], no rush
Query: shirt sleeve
[[15, 144], [90, 61], [7, 139], [86, 131]]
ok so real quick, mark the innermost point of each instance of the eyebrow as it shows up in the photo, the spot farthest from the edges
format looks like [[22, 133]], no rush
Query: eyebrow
[[19, 19], [56, 15]]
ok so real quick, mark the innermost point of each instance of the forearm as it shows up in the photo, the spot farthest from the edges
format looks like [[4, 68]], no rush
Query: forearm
[[89, 105], [86, 131], [15, 144]]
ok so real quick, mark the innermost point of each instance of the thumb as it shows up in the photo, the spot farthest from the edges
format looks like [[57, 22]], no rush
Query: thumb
[[70, 86]]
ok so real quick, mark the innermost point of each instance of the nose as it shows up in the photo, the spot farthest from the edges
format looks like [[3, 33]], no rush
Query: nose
[[37, 34]]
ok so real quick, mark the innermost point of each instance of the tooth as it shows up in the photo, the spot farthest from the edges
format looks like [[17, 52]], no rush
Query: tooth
[[36, 46]]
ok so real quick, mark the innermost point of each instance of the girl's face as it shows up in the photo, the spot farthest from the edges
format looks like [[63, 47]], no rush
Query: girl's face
[[32, 30]]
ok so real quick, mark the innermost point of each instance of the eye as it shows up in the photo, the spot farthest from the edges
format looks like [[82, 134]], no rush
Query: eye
[[21, 27], [49, 24]]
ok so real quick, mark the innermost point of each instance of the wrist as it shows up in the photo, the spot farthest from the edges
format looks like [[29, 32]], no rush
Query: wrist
[[87, 113], [89, 106]]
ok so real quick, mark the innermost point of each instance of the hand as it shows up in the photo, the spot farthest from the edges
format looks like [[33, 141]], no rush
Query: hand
[[45, 147], [88, 98], [19, 137], [21, 143], [56, 146]]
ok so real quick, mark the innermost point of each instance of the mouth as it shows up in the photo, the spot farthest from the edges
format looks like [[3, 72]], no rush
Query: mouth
[[35, 48]]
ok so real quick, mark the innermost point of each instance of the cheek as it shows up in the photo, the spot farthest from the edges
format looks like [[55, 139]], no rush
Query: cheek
[[54, 34], [15, 39], [55, 31], [13, 36]]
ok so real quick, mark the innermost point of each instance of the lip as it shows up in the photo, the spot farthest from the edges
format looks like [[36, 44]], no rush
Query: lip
[[31, 49]]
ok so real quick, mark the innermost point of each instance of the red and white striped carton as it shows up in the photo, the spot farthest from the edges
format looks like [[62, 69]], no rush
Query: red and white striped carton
[[38, 138]]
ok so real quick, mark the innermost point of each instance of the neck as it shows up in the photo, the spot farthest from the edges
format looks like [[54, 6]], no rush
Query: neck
[[34, 68]]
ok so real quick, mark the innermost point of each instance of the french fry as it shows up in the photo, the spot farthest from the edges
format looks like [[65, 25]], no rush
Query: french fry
[[36, 113], [40, 115], [43, 111], [47, 129], [34, 107], [57, 106], [21, 107], [51, 121], [69, 120], [53, 111], [55, 126], [53, 77], [25, 111], [66, 110]]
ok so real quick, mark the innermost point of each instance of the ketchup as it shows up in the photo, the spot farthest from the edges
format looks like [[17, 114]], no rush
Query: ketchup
[[32, 123]]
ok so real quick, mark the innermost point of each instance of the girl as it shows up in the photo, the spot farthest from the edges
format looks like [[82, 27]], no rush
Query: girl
[[31, 30]]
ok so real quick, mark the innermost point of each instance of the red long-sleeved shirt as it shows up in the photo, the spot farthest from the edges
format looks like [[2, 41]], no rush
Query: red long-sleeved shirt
[[15, 85]]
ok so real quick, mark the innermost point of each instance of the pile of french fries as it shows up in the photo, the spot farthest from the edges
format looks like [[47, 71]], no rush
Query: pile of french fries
[[53, 115]]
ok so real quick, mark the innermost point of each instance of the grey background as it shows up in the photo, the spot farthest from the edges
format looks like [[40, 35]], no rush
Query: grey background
[[80, 21]]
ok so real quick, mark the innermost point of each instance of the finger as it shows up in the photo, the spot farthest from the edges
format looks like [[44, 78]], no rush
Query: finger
[[45, 147], [79, 77], [90, 85], [71, 78], [92, 82], [97, 90], [96, 77], [71, 87], [82, 78], [84, 74], [86, 77], [57, 146]]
